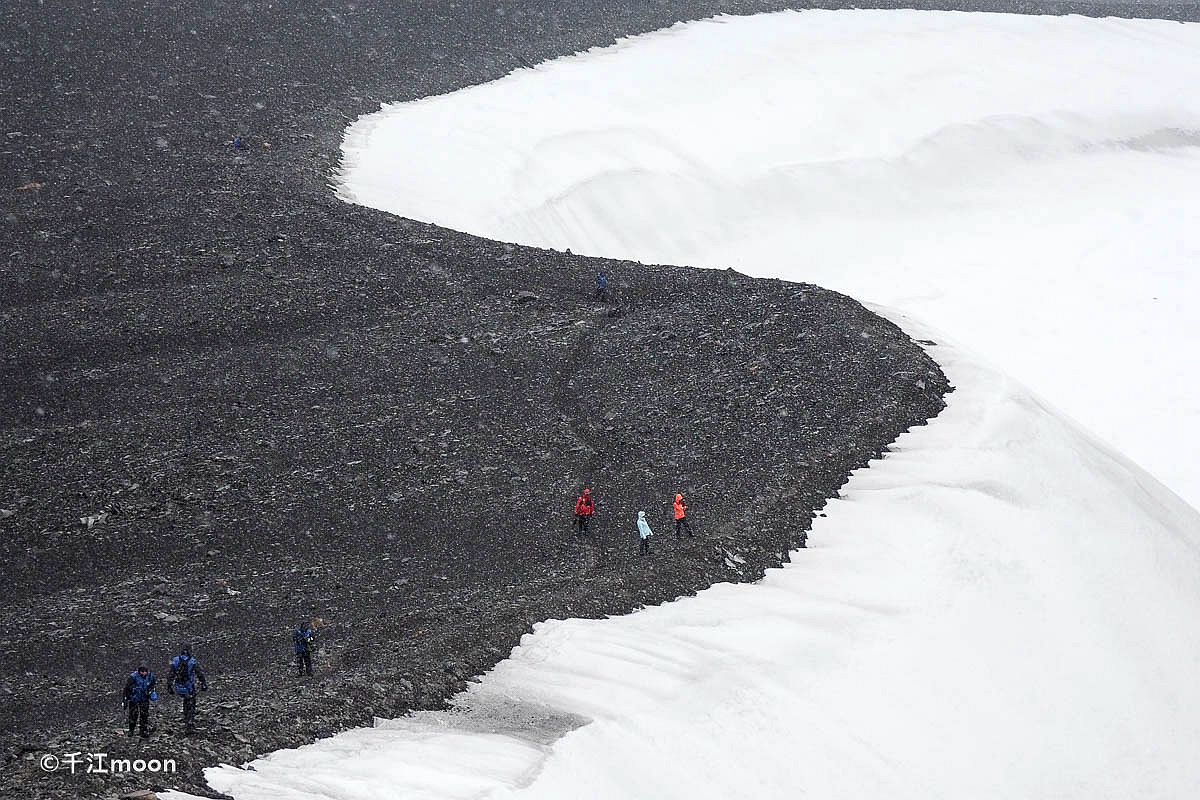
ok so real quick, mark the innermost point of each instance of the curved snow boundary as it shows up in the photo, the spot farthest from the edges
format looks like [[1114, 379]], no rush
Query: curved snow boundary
[[1028, 184], [999, 607]]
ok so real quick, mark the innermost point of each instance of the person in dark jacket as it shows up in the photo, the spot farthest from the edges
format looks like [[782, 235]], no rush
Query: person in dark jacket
[[304, 642], [681, 522], [601, 287], [185, 675], [585, 507], [139, 691]]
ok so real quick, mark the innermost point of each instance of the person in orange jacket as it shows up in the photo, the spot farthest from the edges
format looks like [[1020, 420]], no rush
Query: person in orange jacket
[[585, 506], [681, 522]]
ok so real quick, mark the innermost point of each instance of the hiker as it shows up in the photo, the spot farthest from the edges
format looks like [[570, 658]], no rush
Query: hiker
[[304, 640], [239, 144], [644, 532], [139, 692], [601, 287], [585, 506], [681, 522], [185, 673]]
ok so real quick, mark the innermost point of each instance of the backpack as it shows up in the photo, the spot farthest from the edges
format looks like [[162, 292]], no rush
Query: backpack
[[183, 670]]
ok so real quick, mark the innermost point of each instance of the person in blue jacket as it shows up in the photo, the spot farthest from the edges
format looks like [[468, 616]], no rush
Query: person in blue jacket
[[139, 691], [304, 641], [644, 533], [185, 674], [601, 287]]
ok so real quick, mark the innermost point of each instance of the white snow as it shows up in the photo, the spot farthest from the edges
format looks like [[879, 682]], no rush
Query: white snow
[[1002, 607]]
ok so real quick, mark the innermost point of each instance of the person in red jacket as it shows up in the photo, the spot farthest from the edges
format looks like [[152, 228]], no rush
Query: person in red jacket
[[681, 523], [585, 506]]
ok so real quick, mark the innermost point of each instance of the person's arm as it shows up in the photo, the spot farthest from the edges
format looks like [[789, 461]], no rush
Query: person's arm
[[128, 691], [200, 677]]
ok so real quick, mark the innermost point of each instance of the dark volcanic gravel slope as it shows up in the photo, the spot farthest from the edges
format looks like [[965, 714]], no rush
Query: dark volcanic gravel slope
[[280, 405]]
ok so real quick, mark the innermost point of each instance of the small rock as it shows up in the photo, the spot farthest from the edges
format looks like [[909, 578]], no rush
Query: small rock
[[5, 513], [526, 297], [140, 794], [94, 519]]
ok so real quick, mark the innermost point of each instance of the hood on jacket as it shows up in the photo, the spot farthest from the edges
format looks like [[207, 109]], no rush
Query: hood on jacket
[[641, 515], [678, 497]]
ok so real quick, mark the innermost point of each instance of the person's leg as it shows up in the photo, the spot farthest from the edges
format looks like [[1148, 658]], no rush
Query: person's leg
[[144, 717], [133, 711], [308, 663], [189, 712]]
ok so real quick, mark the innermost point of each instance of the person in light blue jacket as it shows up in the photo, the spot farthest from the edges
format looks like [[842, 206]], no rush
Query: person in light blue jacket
[[644, 532]]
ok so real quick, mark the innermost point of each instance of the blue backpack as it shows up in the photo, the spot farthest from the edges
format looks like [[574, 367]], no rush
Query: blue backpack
[[184, 666], [303, 638]]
